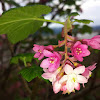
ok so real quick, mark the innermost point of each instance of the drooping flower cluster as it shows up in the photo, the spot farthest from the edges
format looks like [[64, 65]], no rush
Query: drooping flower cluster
[[65, 73]]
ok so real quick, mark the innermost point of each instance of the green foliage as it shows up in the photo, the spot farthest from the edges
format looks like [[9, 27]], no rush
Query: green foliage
[[70, 2], [30, 73], [82, 29], [85, 21], [85, 29], [18, 23], [27, 57], [73, 14]]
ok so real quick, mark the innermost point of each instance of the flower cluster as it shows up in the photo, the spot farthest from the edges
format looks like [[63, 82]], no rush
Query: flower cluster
[[62, 68]]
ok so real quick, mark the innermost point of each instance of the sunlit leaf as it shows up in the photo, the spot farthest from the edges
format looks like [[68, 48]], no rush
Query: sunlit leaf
[[18, 23]]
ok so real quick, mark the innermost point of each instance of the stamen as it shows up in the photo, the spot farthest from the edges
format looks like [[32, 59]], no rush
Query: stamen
[[52, 62], [39, 51]]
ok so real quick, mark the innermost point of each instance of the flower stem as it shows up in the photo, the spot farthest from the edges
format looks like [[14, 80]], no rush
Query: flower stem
[[65, 35]]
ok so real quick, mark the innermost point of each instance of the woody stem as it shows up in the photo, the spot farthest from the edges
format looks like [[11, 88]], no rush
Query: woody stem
[[65, 35]]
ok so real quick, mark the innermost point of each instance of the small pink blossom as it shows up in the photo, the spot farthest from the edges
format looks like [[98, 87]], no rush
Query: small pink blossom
[[80, 50], [56, 87], [72, 77], [39, 50], [93, 42], [53, 62], [64, 89], [51, 76], [87, 73]]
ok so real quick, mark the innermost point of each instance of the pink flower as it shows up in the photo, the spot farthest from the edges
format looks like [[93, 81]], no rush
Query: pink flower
[[80, 50], [87, 73], [64, 89], [51, 75], [39, 50], [56, 87], [93, 42], [53, 62], [72, 77]]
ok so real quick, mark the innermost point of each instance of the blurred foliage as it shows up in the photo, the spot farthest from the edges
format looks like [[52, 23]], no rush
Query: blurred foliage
[[27, 57]]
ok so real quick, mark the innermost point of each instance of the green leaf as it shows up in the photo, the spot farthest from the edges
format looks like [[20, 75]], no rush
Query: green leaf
[[85, 21], [73, 14], [30, 73], [86, 29], [18, 23], [26, 56]]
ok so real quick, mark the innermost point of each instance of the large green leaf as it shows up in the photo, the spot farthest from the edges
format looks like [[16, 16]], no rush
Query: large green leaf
[[30, 73], [18, 23]]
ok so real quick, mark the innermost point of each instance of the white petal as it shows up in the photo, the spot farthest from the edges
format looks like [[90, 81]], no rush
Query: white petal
[[70, 86], [63, 79], [79, 70], [77, 86], [68, 69], [56, 87], [81, 79]]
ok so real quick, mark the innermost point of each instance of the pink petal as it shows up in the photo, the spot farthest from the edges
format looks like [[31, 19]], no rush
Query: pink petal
[[64, 88], [79, 70], [41, 48], [52, 67], [81, 79], [35, 45], [47, 75], [63, 79], [77, 86], [76, 44], [83, 46], [97, 37], [56, 87], [36, 49], [86, 53], [41, 56], [45, 63], [92, 67], [37, 55], [70, 86], [68, 69], [45, 70], [49, 47], [58, 55], [48, 53], [79, 58], [86, 73]]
